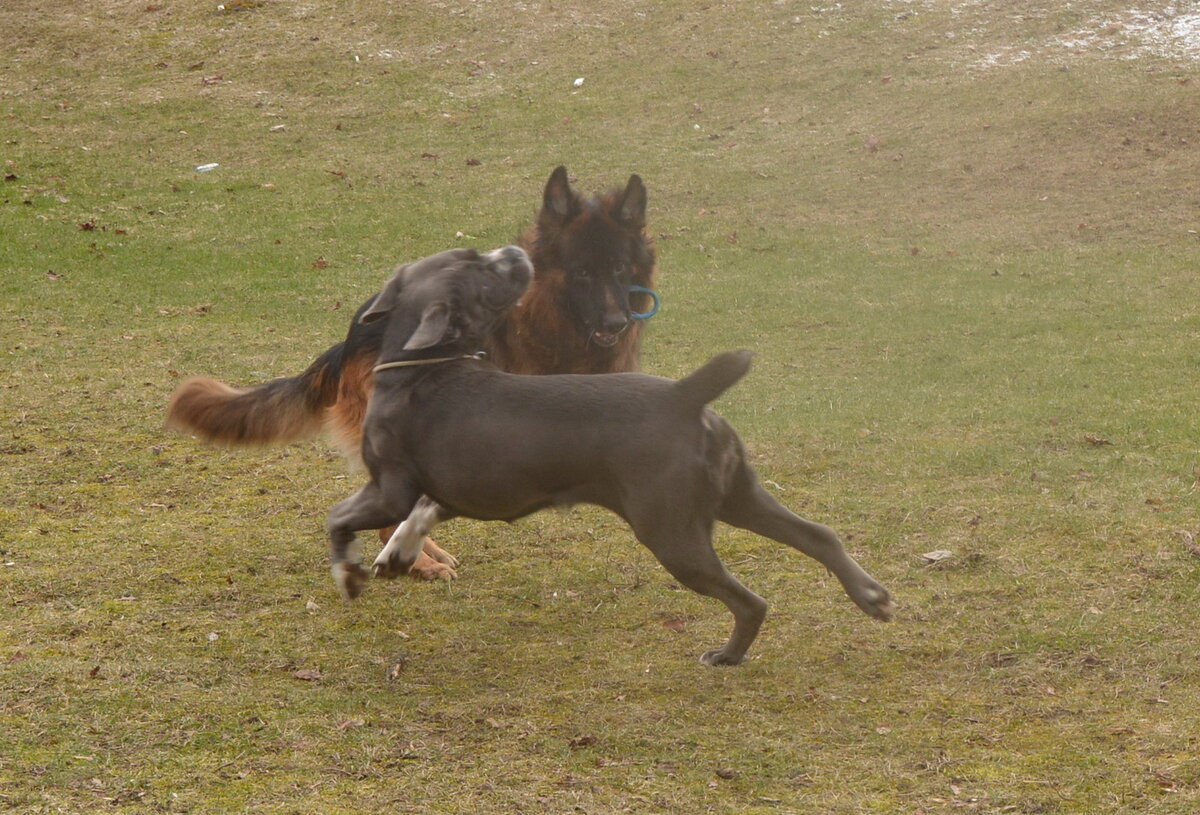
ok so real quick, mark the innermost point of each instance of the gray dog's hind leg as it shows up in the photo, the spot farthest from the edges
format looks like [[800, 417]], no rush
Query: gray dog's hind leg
[[749, 506], [366, 509], [689, 556]]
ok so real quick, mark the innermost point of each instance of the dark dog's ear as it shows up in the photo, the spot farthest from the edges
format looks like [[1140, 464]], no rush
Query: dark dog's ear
[[632, 211], [435, 320], [558, 200], [385, 301]]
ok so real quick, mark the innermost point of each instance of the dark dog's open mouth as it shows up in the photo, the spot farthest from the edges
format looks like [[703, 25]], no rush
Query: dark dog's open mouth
[[606, 339]]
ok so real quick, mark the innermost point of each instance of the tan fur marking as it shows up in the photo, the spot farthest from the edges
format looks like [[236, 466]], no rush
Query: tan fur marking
[[344, 419], [226, 415]]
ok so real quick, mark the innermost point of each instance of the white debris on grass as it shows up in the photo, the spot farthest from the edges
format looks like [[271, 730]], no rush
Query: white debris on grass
[[1171, 32]]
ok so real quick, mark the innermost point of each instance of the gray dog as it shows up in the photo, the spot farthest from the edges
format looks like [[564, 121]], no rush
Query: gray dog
[[485, 444]]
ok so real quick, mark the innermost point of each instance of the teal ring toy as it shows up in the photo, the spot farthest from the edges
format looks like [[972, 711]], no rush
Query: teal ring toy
[[646, 315]]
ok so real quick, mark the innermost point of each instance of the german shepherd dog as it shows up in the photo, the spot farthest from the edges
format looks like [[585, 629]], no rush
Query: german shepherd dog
[[576, 317]]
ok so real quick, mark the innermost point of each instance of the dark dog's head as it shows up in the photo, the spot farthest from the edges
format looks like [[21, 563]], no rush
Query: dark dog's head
[[449, 300], [600, 249]]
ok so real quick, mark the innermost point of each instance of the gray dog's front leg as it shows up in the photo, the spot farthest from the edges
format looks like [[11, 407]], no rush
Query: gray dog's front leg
[[366, 509], [406, 542]]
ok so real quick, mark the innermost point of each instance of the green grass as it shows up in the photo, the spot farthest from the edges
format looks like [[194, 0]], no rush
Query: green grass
[[972, 288]]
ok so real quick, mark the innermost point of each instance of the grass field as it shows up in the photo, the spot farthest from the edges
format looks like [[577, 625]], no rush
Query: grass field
[[962, 237]]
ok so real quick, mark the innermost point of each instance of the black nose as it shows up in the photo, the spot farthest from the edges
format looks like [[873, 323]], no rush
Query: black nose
[[613, 323]]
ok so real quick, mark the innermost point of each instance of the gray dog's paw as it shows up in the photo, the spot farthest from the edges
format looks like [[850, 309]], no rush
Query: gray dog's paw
[[350, 578], [388, 567], [718, 656], [876, 601]]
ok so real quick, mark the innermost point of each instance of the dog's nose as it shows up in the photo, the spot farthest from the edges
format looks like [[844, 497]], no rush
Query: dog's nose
[[506, 255], [513, 254], [614, 322], [509, 260]]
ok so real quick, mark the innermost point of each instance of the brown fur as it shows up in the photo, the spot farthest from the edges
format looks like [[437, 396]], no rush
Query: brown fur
[[538, 336], [344, 419], [241, 416], [584, 252]]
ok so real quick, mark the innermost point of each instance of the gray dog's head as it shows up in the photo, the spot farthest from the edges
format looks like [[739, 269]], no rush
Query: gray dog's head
[[451, 299]]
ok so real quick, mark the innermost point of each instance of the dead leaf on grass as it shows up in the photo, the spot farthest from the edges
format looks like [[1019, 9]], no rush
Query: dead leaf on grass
[[308, 675], [1096, 441], [674, 623], [937, 556], [396, 668], [1165, 781], [579, 742]]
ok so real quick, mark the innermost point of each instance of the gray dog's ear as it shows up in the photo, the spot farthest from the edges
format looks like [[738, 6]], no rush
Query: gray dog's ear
[[435, 319], [385, 301]]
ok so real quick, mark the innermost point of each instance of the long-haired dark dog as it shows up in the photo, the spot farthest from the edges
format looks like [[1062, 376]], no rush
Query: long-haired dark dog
[[576, 317]]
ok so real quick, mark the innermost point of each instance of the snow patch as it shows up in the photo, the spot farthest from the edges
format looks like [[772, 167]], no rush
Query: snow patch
[[1168, 32]]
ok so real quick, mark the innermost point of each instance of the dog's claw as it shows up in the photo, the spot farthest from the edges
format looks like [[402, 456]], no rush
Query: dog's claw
[[425, 568], [445, 558], [430, 569]]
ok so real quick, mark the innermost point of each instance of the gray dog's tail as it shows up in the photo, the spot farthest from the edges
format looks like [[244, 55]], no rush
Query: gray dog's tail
[[713, 378]]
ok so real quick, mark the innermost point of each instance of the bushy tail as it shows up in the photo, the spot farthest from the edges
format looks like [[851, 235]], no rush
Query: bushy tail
[[713, 378], [281, 410]]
